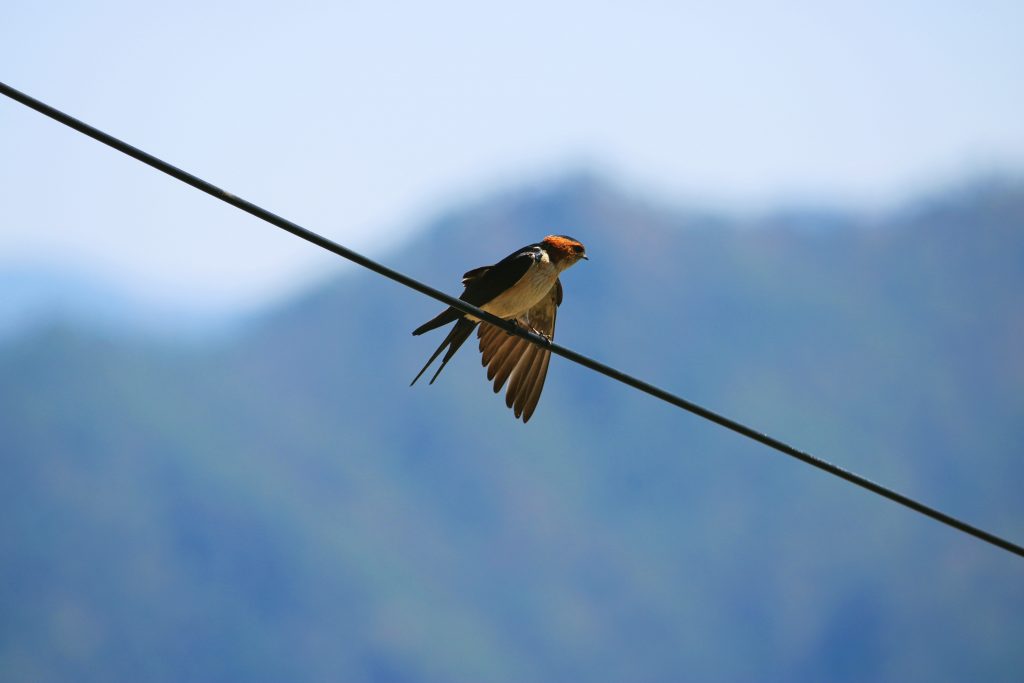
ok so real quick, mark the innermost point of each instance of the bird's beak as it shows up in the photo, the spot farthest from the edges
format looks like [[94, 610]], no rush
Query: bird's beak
[[585, 257]]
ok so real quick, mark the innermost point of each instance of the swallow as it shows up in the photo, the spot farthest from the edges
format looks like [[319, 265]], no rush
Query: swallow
[[522, 287]]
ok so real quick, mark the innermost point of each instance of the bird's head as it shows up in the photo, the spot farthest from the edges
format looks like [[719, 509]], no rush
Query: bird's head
[[564, 251]]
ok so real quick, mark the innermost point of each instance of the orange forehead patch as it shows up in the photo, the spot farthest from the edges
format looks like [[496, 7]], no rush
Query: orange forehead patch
[[561, 243]]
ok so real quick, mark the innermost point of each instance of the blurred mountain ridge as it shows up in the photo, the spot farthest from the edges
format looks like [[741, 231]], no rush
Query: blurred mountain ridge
[[279, 505], [38, 295]]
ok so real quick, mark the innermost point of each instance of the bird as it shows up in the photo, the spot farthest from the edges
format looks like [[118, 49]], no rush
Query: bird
[[523, 287]]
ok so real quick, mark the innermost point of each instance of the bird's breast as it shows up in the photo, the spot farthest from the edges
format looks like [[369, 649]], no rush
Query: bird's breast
[[526, 293]]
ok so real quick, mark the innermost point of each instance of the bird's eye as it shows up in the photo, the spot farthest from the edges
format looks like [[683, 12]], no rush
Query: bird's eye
[[577, 248]]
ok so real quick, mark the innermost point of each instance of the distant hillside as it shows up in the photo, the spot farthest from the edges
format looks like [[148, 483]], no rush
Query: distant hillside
[[284, 507], [36, 296]]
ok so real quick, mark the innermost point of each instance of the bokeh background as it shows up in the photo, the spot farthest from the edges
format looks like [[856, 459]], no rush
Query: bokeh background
[[807, 216]]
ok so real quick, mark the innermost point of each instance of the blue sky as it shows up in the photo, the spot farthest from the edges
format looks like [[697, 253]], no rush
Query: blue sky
[[359, 120]]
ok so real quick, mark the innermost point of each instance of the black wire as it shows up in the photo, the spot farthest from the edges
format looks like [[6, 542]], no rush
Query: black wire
[[508, 326]]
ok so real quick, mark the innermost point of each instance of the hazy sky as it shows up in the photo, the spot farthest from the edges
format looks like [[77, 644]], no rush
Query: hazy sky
[[360, 119]]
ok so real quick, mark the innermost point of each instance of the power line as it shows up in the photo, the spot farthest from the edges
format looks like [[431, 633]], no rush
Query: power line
[[508, 326]]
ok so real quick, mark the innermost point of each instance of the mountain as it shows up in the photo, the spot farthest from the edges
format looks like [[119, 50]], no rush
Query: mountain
[[40, 295], [282, 506]]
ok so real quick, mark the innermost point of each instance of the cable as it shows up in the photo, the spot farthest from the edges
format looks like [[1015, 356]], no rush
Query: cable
[[508, 326]]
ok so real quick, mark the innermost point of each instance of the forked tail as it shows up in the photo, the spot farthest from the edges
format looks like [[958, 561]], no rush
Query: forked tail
[[459, 334]]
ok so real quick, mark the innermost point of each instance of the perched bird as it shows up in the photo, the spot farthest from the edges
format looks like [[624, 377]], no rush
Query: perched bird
[[522, 287]]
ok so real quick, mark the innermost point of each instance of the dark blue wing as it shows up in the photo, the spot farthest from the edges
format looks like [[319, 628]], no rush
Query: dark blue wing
[[483, 284]]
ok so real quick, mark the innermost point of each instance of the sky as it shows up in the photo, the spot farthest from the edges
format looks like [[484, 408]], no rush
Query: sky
[[362, 120]]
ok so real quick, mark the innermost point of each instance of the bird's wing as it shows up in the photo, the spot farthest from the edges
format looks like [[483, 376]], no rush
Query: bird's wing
[[484, 283], [474, 274], [512, 359]]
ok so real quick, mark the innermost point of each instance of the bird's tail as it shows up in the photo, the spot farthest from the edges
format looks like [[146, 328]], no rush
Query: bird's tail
[[443, 318], [459, 334]]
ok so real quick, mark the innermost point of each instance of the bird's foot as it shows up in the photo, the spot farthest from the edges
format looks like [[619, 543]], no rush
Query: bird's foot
[[547, 338]]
